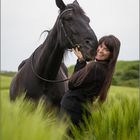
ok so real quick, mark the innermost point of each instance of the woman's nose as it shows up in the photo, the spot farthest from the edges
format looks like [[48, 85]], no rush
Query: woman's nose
[[100, 50]]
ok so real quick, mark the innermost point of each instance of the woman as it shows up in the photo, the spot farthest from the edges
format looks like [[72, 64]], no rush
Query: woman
[[92, 80]]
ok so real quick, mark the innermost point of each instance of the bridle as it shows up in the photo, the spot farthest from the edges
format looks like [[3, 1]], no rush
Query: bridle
[[70, 41], [65, 33]]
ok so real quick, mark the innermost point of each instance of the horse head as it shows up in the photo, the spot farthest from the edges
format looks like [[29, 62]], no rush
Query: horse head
[[74, 29]]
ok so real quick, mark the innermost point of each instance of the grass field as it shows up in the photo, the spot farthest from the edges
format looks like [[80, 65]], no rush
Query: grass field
[[117, 119]]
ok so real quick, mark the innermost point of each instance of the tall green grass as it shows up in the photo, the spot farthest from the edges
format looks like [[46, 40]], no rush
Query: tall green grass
[[5, 82], [21, 121], [117, 119]]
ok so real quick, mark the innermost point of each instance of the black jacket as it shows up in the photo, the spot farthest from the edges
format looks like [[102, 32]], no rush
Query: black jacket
[[88, 79], [84, 85]]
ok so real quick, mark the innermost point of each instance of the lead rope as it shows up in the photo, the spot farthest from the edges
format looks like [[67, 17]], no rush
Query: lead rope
[[44, 79]]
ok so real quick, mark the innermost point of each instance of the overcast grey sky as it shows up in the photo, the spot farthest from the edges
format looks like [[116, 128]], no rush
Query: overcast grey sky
[[22, 22]]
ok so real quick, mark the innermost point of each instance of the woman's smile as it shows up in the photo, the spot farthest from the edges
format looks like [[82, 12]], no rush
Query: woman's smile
[[103, 52]]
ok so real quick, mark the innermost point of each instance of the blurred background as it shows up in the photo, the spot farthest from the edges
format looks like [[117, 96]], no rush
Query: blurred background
[[23, 21]]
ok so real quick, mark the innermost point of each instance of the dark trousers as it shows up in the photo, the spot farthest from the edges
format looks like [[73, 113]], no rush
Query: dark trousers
[[74, 108]]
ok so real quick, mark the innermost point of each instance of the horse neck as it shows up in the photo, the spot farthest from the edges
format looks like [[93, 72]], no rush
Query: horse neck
[[50, 57]]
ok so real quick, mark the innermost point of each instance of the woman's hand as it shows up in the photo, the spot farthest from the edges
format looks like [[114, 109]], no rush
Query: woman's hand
[[78, 54]]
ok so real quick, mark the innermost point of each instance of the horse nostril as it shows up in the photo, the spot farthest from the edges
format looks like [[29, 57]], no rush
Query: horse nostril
[[87, 41]]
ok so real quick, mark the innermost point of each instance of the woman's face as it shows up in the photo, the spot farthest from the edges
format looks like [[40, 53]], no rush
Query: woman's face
[[103, 52]]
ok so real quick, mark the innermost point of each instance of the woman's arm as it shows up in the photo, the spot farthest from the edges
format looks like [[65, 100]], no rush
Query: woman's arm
[[79, 65], [80, 60], [84, 76]]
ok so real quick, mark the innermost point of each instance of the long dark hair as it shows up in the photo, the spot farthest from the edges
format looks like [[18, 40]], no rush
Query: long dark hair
[[113, 44]]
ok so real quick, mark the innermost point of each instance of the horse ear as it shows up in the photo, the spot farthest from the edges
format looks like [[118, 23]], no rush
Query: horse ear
[[60, 4], [75, 2]]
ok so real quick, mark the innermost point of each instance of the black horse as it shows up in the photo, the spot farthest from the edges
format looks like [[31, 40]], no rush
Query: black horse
[[43, 74]]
